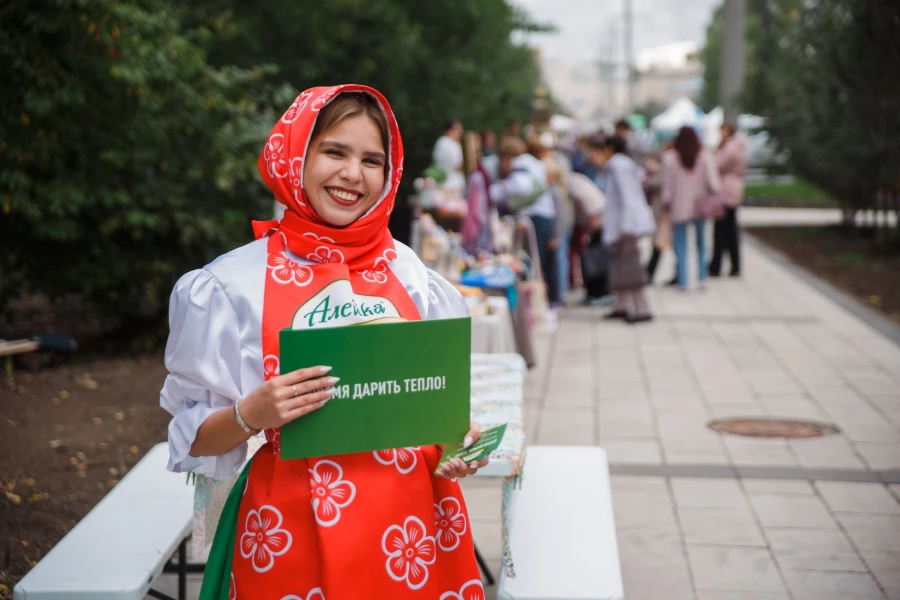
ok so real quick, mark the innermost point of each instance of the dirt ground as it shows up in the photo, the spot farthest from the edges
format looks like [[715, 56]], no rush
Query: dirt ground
[[846, 261], [68, 434]]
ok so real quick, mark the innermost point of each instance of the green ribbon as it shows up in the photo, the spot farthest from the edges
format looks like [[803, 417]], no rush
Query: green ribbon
[[217, 575]]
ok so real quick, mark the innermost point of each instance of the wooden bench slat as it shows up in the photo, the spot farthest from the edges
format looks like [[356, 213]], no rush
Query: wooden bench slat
[[18, 347]]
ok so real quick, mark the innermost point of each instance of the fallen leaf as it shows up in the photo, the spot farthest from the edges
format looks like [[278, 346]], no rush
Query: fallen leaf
[[134, 449], [37, 497], [3, 589], [113, 471], [97, 421], [103, 446], [14, 498], [24, 543], [55, 444], [82, 474], [80, 455], [112, 483], [56, 402], [63, 395], [73, 460], [109, 437], [11, 486], [119, 416], [11, 424], [28, 481]]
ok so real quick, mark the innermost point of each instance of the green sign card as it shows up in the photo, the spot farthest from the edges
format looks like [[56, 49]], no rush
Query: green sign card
[[402, 384]]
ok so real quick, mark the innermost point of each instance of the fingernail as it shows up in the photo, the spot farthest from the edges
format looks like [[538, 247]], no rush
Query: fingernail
[[332, 380], [473, 464], [468, 441], [330, 392], [324, 402], [324, 370]]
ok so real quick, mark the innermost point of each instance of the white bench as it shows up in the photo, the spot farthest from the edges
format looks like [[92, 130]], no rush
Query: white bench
[[562, 531], [122, 545]]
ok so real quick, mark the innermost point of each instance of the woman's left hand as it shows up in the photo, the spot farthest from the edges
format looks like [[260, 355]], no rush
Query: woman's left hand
[[457, 469]]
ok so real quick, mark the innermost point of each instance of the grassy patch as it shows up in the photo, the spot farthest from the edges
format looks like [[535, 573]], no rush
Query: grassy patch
[[799, 194]]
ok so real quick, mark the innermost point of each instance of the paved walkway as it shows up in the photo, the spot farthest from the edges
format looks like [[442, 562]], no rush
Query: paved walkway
[[707, 516]]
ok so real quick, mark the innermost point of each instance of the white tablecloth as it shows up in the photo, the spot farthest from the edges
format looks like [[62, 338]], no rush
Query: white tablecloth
[[493, 333]]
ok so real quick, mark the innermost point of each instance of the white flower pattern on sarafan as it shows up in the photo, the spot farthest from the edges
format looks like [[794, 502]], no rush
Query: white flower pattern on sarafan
[[263, 538], [329, 491], [232, 589], [324, 254], [284, 270], [389, 255], [296, 108], [403, 458], [409, 551], [450, 523], [275, 155], [314, 594], [270, 366], [471, 590]]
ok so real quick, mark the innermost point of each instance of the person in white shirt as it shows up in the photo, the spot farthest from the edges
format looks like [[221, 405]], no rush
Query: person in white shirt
[[526, 177], [448, 155]]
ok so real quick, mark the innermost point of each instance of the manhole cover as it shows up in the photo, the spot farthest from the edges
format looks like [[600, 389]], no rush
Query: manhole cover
[[771, 428]]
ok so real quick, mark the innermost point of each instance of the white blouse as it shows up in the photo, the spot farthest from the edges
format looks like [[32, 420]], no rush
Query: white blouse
[[214, 351]]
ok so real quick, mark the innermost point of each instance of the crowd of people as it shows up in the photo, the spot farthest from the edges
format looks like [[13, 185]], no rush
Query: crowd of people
[[590, 203]]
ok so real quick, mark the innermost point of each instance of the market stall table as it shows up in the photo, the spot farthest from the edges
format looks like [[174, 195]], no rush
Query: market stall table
[[492, 333]]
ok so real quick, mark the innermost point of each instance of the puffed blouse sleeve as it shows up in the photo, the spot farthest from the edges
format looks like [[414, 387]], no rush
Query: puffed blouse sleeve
[[444, 300], [204, 356]]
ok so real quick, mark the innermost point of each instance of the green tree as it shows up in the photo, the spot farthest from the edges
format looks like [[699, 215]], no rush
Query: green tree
[[432, 60], [765, 23], [836, 98], [125, 159]]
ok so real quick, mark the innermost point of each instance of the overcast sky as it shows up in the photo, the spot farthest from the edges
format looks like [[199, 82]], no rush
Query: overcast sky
[[585, 32]]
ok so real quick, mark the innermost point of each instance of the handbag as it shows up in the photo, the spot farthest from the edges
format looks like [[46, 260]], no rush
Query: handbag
[[710, 206], [517, 202], [594, 260]]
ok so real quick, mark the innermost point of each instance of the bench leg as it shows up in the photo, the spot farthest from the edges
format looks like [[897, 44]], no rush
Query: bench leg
[[484, 567], [182, 570]]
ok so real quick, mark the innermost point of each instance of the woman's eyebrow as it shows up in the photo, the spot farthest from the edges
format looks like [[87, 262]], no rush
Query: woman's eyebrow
[[346, 148]]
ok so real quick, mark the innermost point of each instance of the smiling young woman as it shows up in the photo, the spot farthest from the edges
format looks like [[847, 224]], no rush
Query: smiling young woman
[[338, 527]]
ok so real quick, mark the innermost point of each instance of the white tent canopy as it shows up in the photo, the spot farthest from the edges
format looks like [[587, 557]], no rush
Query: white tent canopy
[[683, 112]]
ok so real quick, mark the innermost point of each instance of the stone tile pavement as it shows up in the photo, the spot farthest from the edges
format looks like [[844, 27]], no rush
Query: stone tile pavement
[[763, 345], [706, 516]]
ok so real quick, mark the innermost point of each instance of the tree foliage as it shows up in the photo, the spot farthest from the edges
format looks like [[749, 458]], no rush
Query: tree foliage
[[129, 129], [823, 75]]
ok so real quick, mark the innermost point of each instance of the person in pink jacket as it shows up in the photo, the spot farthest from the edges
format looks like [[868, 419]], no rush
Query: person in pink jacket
[[731, 160], [689, 174]]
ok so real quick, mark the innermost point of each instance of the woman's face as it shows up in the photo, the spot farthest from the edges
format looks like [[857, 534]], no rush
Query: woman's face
[[344, 172]]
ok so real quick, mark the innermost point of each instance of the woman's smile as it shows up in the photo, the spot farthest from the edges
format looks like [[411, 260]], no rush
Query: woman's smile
[[343, 196]]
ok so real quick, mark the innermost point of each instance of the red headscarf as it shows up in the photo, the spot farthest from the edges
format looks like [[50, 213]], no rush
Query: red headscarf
[[363, 242]]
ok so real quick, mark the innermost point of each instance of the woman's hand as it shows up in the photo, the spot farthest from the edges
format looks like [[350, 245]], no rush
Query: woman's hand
[[457, 469], [284, 398]]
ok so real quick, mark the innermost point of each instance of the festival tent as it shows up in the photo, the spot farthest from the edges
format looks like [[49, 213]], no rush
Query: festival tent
[[682, 112]]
